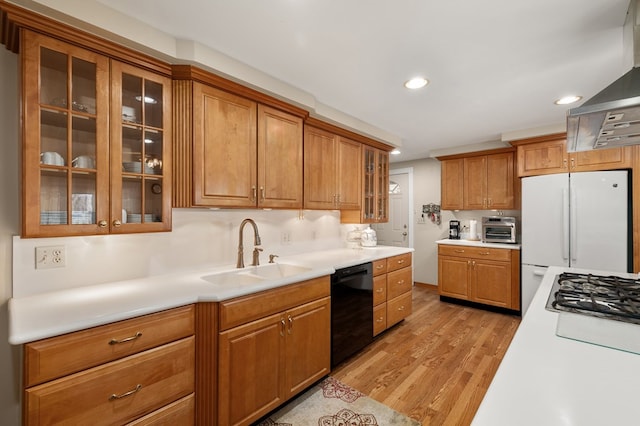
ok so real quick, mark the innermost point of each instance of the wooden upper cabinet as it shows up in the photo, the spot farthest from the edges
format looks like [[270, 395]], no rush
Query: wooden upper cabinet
[[544, 157], [320, 179], [141, 159], [478, 182], [475, 183], [225, 147], [279, 159], [601, 159], [452, 181], [332, 172], [349, 173], [548, 155], [95, 154], [244, 154], [500, 181]]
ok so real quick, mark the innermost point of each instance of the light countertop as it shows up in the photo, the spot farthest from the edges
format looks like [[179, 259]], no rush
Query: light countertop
[[477, 243], [50, 314], [549, 380]]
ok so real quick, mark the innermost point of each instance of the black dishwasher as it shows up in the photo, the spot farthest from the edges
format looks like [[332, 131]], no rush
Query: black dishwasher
[[351, 311]]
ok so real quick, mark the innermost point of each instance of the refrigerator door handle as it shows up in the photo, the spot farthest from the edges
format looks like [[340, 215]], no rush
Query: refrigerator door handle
[[565, 224], [573, 207]]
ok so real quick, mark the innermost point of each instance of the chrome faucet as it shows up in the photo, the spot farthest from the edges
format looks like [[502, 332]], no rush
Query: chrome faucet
[[256, 242]]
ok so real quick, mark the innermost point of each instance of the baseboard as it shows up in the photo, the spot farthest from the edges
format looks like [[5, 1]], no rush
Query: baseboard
[[426, 286]]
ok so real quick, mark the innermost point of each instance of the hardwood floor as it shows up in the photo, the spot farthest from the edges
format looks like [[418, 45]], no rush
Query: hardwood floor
[[435, 366]]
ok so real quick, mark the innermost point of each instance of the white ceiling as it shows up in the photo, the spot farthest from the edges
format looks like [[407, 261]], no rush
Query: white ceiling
[[495, 66]]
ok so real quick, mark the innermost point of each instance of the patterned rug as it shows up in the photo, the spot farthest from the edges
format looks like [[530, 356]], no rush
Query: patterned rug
[[332, 403]]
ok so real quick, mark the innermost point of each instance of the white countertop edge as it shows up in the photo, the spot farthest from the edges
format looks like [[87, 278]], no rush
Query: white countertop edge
[[476, 243], [51, 314]]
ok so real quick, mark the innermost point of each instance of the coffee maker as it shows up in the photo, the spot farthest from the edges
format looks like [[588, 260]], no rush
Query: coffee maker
[[454, 229]]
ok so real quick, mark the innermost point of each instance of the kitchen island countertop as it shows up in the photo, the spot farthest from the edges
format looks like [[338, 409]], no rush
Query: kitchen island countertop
[[548, 380], [54, 313]]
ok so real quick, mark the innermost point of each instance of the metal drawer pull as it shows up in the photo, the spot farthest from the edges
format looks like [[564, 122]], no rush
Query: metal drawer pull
[[290, 324], [113, 396], [380, 290], [379, 266], [401, 282], [459, 251], [380, 319], [284, 325], [125, 340], [401, 308], [400, 262], [485, 253]]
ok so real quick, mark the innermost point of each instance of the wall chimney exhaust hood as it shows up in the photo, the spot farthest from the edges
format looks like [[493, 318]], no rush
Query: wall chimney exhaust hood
[[612, 117]]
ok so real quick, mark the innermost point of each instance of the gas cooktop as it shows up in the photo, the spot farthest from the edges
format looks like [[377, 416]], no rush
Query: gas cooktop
[[608, 297], [587, 303]]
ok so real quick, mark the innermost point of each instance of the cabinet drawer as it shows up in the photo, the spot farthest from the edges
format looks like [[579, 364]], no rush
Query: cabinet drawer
[[379, 319], [181, 412], [397, 262], [243, 309], [117, 392], [61, 355], [399, 282], [398, 309], [379, 289], [379, 267], [475, 252]]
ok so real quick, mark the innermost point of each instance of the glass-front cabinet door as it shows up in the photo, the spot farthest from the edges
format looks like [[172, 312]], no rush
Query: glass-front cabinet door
[[66, 137], [382, 187], [140, 151], [95, 154], [369, 185], [376, 186]]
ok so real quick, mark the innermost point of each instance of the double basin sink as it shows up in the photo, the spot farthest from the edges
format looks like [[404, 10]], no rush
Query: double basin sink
[[255, 274]]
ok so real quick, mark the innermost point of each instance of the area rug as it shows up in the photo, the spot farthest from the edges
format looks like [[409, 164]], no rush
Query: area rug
[[332, 403]]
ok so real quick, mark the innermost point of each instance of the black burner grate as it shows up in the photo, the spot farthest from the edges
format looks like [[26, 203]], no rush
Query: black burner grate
[[605, 296]]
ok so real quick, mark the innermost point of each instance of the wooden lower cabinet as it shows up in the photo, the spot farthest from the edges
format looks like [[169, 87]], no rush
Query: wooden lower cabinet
[[113, 374], [392, 285], [116, 392], [484, 275], [181, 412], [266, 361]]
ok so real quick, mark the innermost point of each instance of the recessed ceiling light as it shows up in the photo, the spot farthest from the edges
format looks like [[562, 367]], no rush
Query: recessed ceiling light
[[416, 83], [395, 152], [568, 100]]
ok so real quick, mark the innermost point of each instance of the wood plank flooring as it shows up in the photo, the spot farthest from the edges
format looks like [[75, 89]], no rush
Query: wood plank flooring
[[435, 366]]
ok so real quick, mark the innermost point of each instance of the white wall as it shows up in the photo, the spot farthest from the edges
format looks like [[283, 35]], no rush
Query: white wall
[[199, 237], [426, 184], [10, 371]]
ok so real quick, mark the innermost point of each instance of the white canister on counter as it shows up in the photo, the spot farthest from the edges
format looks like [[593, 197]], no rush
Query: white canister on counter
[[473, 229], [368, 237]]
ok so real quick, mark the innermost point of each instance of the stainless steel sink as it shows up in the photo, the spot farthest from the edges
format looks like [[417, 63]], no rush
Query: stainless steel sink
[[255, 274]]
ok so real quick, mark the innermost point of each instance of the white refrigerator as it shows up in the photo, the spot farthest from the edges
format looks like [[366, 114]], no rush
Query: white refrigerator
[[579, 220]]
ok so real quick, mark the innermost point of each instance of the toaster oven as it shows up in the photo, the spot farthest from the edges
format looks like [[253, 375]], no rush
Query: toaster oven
[[499, 229]]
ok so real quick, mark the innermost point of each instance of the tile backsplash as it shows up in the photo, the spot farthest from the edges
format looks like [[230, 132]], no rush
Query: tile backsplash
[[200, 237]]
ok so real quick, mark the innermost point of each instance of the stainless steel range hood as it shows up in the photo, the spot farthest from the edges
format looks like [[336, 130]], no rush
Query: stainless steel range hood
[[612, 117]]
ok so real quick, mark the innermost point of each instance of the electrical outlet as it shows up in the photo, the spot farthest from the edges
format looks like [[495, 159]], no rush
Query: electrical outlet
[[50, 257], [285, 238]]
